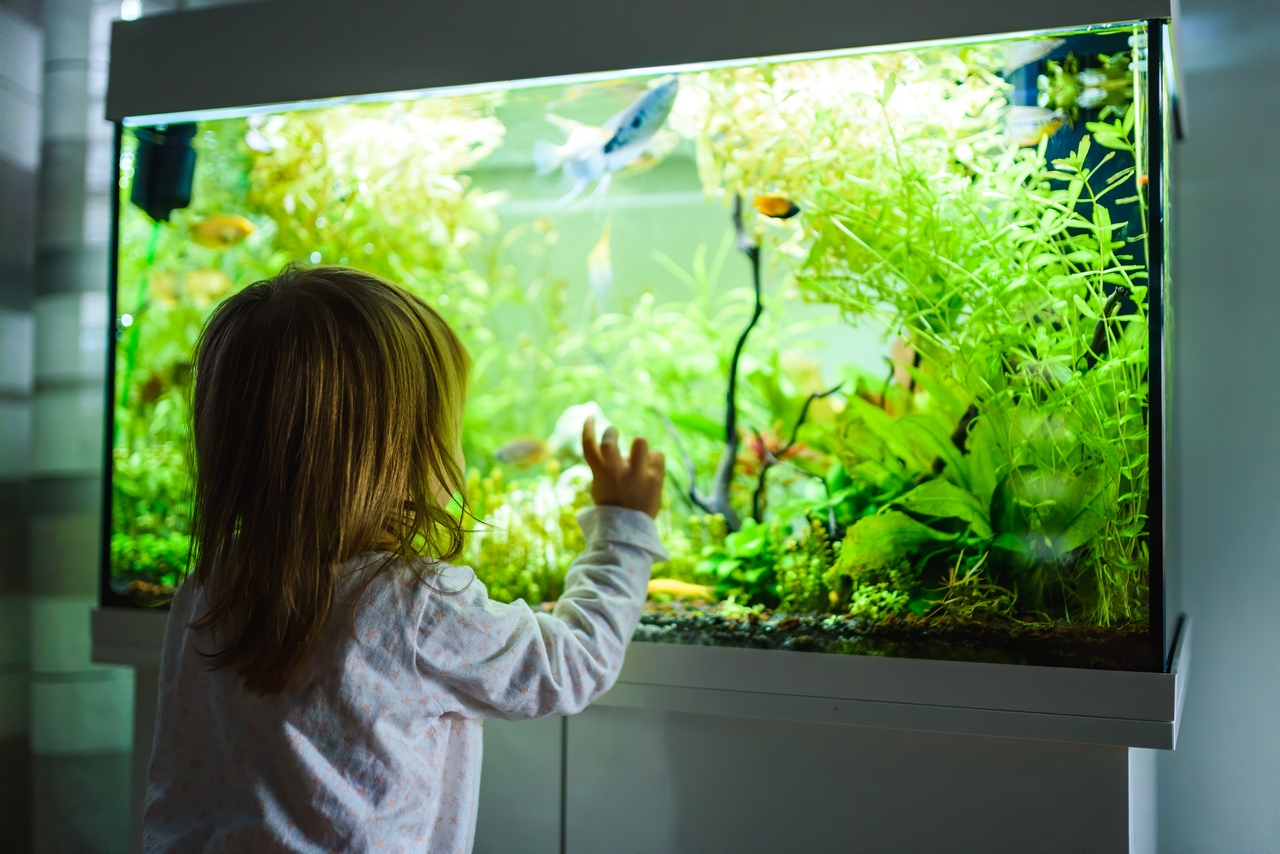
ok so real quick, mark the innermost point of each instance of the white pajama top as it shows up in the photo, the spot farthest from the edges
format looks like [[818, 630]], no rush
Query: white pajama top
[[375, 745]]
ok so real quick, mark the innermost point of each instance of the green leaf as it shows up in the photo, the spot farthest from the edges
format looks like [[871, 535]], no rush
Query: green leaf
[[696, 423], [1048, 514], [1110, 140], [879, 542], [1081, 529], [890, 83], [945, 396], [747, 542], [931, 439], [1084, 308], [1008, 542], [942, 498]]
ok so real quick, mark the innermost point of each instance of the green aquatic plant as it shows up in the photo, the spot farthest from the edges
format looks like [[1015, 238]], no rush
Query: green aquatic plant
[[1001, 272], [995, 470], [382, 187], [150, 514], [802, 570], [877, 601], [967, 596], [745, 563], [526, 535]]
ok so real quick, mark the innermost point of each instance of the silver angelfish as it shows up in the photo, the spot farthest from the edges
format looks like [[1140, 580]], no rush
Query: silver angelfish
[[595, 153]]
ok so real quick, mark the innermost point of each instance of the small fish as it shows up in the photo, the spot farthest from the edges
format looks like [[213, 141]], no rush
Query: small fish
[[221, 231], [1018, 54], [600, 268], [205, 286], [522, 452], [163, 288], [672, 587], [776, 205], [595, 153], [1026, 126]]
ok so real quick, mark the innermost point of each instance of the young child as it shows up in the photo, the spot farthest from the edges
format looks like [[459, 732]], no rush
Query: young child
[[325, 666]]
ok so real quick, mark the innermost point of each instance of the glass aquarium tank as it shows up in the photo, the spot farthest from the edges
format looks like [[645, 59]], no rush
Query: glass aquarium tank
[[894, 315]]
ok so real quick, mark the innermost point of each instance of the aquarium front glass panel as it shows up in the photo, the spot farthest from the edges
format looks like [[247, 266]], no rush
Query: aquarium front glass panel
[[938, 441]]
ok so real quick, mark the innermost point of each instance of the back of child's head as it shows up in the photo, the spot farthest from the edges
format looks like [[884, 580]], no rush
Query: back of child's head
[[325, 420]]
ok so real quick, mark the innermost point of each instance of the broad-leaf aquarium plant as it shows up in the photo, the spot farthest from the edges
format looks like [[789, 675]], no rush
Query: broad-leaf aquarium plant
[[886, 313]]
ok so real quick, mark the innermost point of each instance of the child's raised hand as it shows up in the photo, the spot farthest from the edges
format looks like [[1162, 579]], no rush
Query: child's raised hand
[[634, 482]]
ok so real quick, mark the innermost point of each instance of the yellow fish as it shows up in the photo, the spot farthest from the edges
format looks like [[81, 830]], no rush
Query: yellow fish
[[163, 288], [205, 286], [1028, 125], [522, 452], [671, 587], [220, 231], [600, 268], [776, 205]]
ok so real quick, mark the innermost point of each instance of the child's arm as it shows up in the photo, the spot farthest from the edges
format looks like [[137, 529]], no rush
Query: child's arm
[[505, 660]]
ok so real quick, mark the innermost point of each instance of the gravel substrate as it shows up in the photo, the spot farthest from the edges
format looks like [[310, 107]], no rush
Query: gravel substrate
[[1124, 648]]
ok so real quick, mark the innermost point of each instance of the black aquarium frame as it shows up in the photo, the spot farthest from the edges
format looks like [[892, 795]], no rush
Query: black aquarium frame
[[1155, 364], [107, 596], [158, 64]]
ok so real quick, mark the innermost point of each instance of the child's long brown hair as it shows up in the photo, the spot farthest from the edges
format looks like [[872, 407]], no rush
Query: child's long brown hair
[[325, 418]]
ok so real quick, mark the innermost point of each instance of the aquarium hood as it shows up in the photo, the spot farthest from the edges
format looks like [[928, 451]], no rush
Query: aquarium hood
[[298, 50]]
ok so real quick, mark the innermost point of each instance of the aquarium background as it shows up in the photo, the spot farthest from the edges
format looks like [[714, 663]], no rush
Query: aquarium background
[[942, 428]]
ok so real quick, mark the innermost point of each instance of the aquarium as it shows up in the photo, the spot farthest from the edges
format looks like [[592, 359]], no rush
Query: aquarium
[[894, 315]]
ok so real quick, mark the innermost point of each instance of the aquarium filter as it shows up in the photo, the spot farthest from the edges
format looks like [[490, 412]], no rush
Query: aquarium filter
[[163, 169]]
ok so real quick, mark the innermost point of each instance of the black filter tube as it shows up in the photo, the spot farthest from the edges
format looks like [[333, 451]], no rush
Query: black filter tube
[[163, 168]]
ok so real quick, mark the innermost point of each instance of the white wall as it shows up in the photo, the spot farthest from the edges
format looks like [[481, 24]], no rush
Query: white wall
[[1220, 790]]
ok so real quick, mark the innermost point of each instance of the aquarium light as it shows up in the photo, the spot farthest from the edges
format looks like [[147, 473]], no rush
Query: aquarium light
[[599, 76]]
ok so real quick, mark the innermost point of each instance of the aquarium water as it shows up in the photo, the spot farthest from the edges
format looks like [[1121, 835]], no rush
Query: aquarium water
[[923, 272]]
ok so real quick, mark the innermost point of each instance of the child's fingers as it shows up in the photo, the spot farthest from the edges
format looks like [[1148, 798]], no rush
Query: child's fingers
[[590, 450], [658, 464], [609, 448], [639, 453]]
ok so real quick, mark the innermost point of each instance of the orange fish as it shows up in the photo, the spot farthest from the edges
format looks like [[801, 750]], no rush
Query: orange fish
[[221, 231], [522, 452], [776, 206], [672, 587]]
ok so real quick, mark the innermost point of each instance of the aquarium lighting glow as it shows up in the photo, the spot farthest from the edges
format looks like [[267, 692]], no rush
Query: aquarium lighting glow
[[601, 76]]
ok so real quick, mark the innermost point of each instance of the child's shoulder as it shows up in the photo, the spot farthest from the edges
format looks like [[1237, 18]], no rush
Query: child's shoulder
[[387, 584]]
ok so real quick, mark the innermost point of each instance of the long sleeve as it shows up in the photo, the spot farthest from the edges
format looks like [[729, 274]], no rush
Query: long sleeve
[[508, 661]]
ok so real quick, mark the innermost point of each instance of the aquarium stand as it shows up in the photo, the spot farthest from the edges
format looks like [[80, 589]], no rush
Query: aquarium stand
[[954, 755], [701, 748], [1128, 709]]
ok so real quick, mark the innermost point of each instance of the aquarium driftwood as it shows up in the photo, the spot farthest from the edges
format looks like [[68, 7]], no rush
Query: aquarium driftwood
[[718, 502], [773, 458]]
